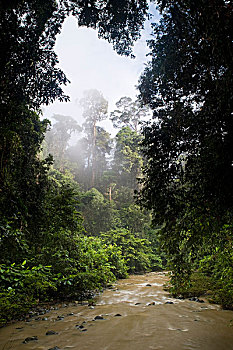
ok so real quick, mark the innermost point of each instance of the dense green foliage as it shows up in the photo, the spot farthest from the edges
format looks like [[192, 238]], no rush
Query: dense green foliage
[[188, 175], [135, 250]]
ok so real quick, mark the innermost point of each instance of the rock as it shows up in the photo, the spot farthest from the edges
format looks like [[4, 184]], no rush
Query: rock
[[193, 299], [117, 315], [137, 304], [196, 299], [153, 303], [98, 317], [19, 328], [45, 319], [37, 318], [81, 328], [54, 348], [60, 318], [148, 285], [169, 302], [51, 333], [70, 314], [30, 339], [91, 307]]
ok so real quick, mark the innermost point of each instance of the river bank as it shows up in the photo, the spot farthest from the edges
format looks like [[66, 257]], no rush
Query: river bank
[[135, 313]]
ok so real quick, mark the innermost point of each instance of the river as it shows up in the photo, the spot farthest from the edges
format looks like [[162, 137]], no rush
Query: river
[[135, 314]]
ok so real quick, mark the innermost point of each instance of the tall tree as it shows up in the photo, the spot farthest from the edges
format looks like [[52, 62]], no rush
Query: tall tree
[[128, 113], [189, 147], [127, 160], [95, 108], [57, 138], [79, 156]]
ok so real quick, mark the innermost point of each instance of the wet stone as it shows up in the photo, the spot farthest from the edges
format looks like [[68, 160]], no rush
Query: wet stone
[[148, 285], [28, 339], [196, 299], [169, 302], [150, 304], [51, 333], [118, 315], [70, 314], [137, 304], [60, 318], [45, 319], [98, 317], [54, 348]]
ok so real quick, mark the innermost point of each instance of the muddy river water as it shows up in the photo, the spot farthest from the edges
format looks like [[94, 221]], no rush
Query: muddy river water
[[135, 314]]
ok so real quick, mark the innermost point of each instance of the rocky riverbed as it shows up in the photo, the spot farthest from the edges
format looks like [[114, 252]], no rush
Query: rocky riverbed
[[134, 314]]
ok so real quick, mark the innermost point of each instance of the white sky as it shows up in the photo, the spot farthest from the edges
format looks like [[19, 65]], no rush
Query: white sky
[[91, 63]]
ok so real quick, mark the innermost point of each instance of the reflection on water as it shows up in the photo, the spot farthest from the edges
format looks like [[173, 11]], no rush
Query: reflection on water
[[135, 314]]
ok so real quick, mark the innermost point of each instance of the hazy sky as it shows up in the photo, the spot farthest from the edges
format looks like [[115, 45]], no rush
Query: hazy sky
[[91, 63]]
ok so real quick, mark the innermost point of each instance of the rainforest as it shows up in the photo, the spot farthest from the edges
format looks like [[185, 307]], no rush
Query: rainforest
[[76, 216]]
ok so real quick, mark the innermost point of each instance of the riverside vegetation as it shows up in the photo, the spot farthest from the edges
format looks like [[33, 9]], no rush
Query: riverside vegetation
[[69, 223]]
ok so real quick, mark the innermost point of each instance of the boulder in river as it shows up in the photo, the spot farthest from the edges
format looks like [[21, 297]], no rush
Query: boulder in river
[[153, 303], [51, 333], [54, 348], [79, 327], [98, 317], [60, 318], [34, 337], [196, 299]]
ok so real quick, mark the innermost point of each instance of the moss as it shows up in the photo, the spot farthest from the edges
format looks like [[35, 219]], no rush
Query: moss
[[13, 306]]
